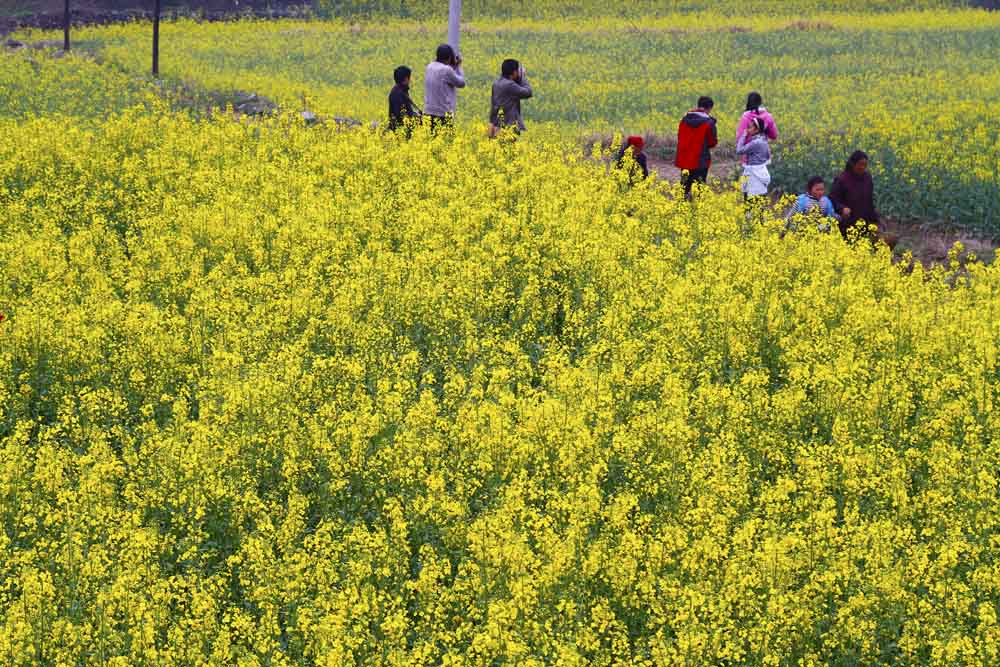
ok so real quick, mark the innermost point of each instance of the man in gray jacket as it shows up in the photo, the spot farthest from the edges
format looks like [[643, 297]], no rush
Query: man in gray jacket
[[508, 91], [442, 80]]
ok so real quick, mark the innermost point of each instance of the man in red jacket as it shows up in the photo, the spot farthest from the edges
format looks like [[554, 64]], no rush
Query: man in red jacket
[[696, 136]]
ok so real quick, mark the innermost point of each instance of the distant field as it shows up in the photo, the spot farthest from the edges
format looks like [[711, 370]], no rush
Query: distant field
[[496, 8], [916, 89], [21, 7]]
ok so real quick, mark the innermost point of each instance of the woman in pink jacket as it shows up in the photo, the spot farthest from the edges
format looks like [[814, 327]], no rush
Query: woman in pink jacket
[[755, 109]]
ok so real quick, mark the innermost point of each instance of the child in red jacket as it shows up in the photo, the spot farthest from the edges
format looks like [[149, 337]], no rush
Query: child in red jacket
[[638, 169], [696, 136]]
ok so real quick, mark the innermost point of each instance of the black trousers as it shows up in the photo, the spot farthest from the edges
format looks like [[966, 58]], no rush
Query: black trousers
[[858, 228], [692, 177], [437, 122]]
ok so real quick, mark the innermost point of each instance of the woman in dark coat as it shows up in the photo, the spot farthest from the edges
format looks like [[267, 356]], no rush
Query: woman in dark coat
[[853, 194]]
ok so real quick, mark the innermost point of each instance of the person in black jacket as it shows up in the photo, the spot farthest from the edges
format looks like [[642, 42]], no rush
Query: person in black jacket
[[401, 107]]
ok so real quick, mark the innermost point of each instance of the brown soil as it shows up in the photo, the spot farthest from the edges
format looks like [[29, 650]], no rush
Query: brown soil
[[931, 244], [723, 168]]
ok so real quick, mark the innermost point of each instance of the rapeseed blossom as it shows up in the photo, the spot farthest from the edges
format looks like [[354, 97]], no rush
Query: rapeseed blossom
[[281, 395], [278, 395]]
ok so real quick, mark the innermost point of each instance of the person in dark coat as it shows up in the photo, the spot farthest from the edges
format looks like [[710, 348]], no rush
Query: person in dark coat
[[638, 169], [401, 107], [853, 194]]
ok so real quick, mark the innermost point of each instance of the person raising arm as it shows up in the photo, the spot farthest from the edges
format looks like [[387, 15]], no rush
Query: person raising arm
[[505, 104], [442, 80]]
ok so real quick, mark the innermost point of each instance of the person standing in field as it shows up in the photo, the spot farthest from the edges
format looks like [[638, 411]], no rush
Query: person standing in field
[[755, 110], [697, 135], [853, 194], [756, 152], [632, 160], [505, 102], [442, 80], [402, 111]]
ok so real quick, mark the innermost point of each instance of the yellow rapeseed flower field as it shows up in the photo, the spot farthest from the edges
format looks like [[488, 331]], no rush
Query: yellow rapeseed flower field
[[917, 88], [277, 395]]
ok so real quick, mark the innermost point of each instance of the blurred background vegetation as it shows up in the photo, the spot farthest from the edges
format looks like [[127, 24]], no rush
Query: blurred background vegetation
[[492, 8]]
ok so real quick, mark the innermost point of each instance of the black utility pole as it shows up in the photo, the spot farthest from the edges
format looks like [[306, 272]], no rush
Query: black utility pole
[[156, 38], [66, 26]]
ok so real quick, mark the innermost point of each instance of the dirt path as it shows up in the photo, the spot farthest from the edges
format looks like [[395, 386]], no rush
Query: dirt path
[[931, 245], [724, 169]]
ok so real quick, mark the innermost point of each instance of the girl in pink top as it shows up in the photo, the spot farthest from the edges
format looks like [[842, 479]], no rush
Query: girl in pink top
[[755, 109]]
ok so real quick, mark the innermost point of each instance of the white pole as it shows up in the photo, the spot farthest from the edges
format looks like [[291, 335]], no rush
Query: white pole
[[454, 23]]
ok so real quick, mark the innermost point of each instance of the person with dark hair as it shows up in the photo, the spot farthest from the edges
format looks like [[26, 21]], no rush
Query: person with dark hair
[[756, 152], [853, 194], [815, 202], [505, 102], [697, 135], [442, 80], [755, 109], [402, 111], [632, 160]]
